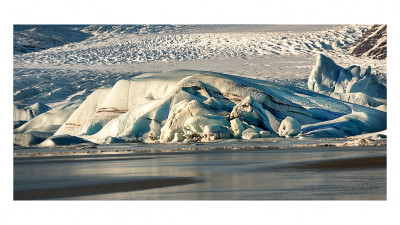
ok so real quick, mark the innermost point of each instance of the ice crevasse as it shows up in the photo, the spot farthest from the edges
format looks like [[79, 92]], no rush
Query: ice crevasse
[[184, 105]]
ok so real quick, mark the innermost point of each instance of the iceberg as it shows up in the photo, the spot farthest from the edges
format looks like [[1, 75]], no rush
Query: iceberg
[[184, 105], [327, 76]]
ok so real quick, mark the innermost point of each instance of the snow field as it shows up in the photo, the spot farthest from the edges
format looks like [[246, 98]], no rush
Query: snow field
[[121, 48]]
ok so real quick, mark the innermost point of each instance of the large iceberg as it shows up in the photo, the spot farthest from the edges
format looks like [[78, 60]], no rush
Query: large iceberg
[[199, 105], [327, 76]]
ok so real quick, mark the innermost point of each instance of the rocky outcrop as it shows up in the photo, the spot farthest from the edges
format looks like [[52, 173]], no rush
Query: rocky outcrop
[[372, 44]]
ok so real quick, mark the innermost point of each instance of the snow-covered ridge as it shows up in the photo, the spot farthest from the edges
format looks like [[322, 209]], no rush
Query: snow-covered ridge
[[122, 48]]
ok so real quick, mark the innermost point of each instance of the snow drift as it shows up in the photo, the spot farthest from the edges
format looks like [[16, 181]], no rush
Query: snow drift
[[183, 105]]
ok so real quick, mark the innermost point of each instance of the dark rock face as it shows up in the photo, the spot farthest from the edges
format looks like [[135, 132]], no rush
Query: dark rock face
[[372, 44]]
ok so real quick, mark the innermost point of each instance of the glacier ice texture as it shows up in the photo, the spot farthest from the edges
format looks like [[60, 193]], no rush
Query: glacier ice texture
[[184, 105], [327, 76]]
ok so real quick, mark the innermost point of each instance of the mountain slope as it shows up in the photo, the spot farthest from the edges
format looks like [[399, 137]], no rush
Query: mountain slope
[[373, 43]]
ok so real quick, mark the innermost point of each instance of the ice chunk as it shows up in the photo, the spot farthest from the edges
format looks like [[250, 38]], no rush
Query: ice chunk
[[250, 111], [367, 84], [196, 124], [178, 137], [264, 134], [289, 127], [215, 131], [237, 127], [250, 133]]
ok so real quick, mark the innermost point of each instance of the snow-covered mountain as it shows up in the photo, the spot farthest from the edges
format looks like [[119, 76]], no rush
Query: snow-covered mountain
[[372, 44]]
